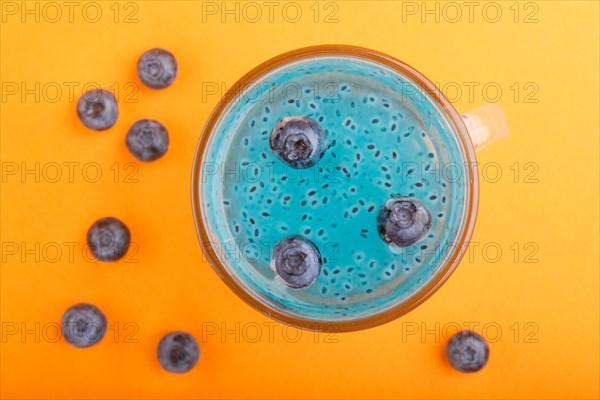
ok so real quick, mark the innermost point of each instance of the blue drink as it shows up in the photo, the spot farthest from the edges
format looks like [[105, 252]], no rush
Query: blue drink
[[386, 136]]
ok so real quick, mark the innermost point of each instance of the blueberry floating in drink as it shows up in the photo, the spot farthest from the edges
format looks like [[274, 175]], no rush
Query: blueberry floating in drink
[[403, 221], [298, 141], [296, 261]]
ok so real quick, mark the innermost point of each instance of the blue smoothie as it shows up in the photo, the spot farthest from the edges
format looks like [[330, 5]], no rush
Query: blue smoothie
[[386, 138]]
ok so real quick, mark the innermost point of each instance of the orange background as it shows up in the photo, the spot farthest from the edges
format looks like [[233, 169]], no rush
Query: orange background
[[547, 311]]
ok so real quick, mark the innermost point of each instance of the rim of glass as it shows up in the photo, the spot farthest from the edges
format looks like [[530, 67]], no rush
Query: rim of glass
[[452, 260]]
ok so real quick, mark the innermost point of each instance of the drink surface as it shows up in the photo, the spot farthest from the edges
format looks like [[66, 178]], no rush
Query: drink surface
[[386, 138]]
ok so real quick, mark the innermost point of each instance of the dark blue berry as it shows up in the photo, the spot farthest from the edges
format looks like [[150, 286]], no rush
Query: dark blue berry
[[157, 68], [178, 352], [300, 142], [403, 221], [297, 261], [97, 109], [467, 351], [83, 325], [108, 239], [147, 140]]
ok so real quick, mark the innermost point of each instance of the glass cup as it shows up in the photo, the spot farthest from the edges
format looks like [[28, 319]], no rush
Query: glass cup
[[390, 132]]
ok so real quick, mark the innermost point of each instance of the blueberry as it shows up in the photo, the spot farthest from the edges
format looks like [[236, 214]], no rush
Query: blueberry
[[108, 239], [147, 140], [297, 261], [97, 109], [403, 221], [83, 325], [157, 68], [300, 142], [467, 351], [178, 352]]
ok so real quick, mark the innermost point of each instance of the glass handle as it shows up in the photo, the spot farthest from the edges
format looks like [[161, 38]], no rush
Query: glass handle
[[486, 124]]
